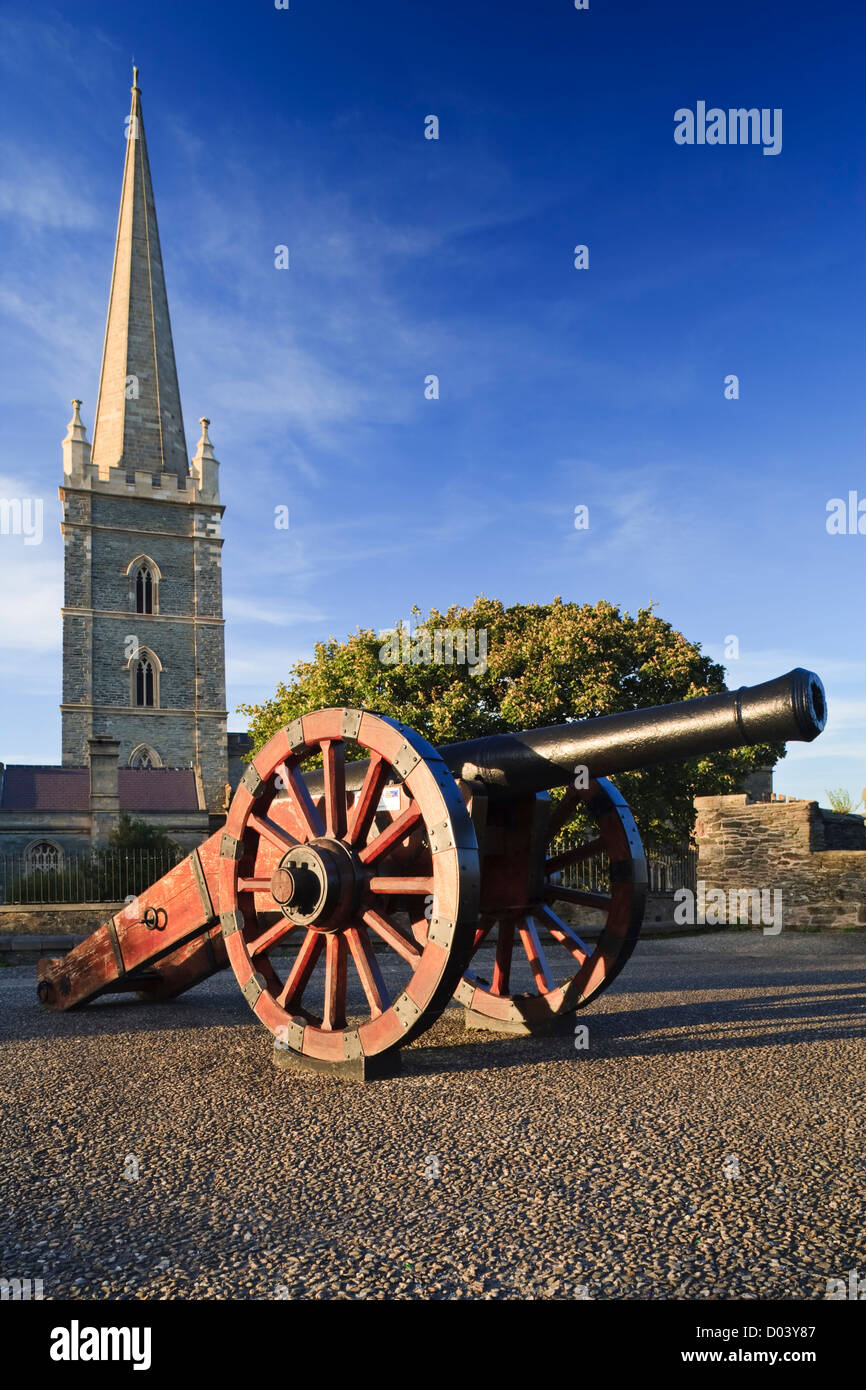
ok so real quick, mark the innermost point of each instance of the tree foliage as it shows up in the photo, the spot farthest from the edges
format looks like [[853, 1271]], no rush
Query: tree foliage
[[546, 664], [132, 833], [842, 801]]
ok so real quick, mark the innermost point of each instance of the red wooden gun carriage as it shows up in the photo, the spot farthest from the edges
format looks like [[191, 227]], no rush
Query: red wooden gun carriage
[[385, 876]]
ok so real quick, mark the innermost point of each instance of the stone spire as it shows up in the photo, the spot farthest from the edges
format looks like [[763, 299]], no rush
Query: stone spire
[[138, 424]]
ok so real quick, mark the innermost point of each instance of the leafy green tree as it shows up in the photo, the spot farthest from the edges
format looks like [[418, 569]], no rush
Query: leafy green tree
[[545, 664]]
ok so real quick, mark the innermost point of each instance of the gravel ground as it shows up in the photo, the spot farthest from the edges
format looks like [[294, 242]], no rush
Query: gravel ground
[[706, 1145]]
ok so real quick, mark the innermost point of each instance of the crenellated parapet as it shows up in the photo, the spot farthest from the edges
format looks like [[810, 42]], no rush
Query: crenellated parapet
[[199, 488]]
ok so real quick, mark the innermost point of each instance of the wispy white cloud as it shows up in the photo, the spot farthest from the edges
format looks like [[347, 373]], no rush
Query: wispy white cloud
[[31, 583], [247, 611], [39, 192], [49, 45]]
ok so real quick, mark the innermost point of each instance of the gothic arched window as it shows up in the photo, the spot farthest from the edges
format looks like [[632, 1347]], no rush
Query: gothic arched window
[[43, 854], [144, 682], [144, 756], [144, 576], [144, 670], [144, 587]]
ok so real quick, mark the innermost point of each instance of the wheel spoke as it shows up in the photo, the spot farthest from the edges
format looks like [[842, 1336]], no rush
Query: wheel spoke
[[583, 897], [299, 976], [397, 830], [368, 799], [575, 855], [405, 886], [368, 970], [269, 936], [485, 926], [254, 885], [502, 962], [302, 802], [563, 934], [334, 1015], [334, 768], [536, 957], [272, 832], [403, 945]]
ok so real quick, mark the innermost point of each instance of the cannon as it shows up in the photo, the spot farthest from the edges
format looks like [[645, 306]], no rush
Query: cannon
[[351, 900]]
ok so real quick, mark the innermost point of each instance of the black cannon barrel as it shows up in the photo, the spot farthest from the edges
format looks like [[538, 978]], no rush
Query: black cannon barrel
[[792, 707]]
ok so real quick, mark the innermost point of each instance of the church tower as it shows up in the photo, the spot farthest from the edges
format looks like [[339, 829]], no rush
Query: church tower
[[143, 653]]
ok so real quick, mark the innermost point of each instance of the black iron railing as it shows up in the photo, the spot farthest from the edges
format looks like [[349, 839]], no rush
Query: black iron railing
[[667, 870], [97, 876], [111, 875]]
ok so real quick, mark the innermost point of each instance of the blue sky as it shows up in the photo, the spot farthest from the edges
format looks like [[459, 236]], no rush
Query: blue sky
[[558, 387]]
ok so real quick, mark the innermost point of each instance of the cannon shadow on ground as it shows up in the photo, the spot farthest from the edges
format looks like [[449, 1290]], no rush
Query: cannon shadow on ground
[[698, 1026], [772, 1015]]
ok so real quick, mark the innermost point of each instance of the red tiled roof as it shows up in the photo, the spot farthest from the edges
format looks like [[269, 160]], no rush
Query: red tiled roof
[[27, 788], [157, 789], [33, 788]]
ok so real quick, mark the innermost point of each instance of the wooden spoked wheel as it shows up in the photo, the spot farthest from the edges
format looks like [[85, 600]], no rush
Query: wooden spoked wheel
[[531, 940], [328, 875]]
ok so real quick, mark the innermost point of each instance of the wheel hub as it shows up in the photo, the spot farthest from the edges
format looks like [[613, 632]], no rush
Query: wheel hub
[[317, 885]]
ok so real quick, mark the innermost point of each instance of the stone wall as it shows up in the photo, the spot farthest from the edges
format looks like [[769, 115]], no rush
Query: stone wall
[[816, 858], [832, 830]]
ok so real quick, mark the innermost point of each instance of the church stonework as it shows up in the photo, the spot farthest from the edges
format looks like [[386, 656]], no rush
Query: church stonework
[[143, 646]]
